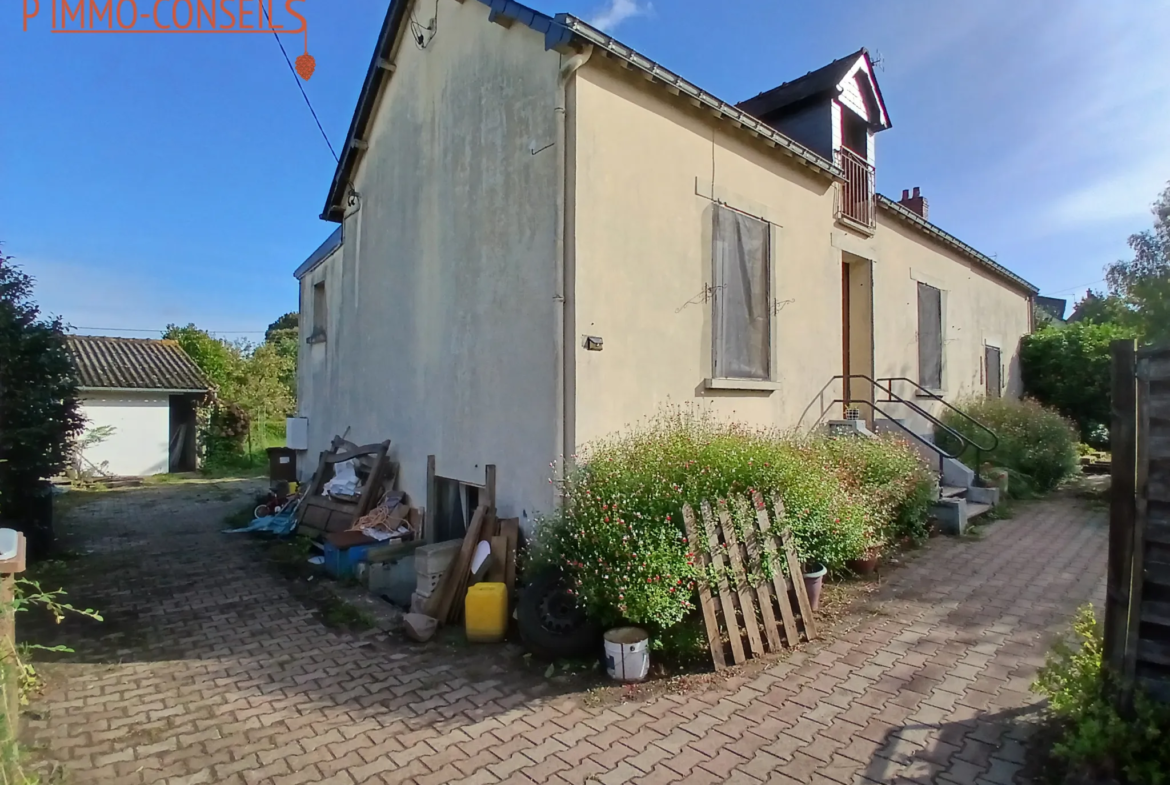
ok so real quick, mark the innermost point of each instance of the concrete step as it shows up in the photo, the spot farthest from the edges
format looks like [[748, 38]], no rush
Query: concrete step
[[952, 492], [974, 509]]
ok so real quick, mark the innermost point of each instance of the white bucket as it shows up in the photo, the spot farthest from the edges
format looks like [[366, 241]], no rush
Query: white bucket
[[627, 653]]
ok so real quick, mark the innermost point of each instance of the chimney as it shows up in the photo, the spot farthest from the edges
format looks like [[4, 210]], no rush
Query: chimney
[[916, 203]]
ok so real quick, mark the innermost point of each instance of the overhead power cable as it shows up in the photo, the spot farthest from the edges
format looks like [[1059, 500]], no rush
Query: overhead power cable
[[300, 86]]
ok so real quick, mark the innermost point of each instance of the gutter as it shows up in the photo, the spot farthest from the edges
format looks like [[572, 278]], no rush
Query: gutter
[[564, 345], [141, 390]]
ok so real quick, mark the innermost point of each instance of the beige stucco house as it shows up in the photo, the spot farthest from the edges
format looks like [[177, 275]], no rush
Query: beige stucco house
[[544, 236]]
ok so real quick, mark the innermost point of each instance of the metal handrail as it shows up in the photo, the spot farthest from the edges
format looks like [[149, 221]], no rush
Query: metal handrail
[[935, 396], [963, 440], [895, 398]]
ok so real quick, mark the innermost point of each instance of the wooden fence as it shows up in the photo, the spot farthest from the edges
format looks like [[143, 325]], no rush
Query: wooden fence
[[1137, 609]]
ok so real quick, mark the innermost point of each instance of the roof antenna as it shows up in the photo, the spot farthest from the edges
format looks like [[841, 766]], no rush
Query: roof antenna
[[879, 61]]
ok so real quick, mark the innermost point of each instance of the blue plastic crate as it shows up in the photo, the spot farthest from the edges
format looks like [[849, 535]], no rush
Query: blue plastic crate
[[343, 562]]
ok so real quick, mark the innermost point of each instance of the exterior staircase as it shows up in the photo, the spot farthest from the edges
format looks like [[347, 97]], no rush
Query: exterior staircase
[[962, 497]]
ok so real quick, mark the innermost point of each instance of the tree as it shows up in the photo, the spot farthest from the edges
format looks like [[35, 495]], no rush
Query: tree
[[282, 327], [219, 360], [1142, 283], [1068, 369], [1100, 308], [39, 409]]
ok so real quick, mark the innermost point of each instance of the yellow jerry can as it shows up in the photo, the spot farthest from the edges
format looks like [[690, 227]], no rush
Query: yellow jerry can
[[486, 612]]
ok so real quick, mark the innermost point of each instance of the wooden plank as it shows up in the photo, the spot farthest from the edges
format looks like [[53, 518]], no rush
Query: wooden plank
[[763, 590], [492, 525], [706, 601], [332, 505], [439, 605], [432, 500], [794, 569], [725, 600], [1123, 444], [314, 487], [499, 566], [746, 596], [510, 528], [1154, 652], [1156, 613], [1137, 574], [770, 552]]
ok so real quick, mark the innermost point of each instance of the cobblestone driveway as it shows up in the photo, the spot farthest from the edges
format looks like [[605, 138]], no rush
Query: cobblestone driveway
[[209, 671]]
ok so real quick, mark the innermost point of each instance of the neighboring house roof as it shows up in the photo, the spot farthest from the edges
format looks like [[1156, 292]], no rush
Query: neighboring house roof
[[565, 30], [982, 259], [105, 363], [331, 244], [813, 86], [1054, 306]]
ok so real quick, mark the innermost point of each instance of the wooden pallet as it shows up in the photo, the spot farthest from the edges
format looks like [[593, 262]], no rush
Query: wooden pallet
[[750, 609]]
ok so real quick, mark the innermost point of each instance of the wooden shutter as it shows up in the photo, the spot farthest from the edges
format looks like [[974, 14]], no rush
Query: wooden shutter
[[929, 337], [994, 374], [742, 325]]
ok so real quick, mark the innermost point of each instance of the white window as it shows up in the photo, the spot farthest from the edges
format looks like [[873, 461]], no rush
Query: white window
[[742, 324]]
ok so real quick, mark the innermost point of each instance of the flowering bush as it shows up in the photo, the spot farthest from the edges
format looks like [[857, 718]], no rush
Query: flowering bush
[[1037, 446], [619, 534]]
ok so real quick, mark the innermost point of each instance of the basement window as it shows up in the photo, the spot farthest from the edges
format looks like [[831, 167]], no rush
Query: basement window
[[930, 342], [742, 326]]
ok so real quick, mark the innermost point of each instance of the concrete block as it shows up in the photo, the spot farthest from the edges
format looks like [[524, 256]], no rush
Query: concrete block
[[981, 495], [951, 515], [393, 580], [956, 473]]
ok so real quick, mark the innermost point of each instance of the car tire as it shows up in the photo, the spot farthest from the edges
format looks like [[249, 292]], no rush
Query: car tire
[[551, 625]]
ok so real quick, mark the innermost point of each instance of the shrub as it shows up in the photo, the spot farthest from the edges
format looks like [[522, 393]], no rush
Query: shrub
[[1068, 368], [898, 485], [1095, 738], [619, 532], [1037, 446]]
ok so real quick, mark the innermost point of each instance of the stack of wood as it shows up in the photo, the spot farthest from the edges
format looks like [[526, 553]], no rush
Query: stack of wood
[[502, 536]]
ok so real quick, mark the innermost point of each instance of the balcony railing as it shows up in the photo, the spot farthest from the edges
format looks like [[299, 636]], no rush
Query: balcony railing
[[855, 196]]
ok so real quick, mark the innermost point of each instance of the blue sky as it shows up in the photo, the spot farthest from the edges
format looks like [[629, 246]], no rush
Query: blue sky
[[155, 179]]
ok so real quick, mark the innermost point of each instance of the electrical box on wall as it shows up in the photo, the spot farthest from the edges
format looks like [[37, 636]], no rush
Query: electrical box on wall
[[296, 433], [592, 343]]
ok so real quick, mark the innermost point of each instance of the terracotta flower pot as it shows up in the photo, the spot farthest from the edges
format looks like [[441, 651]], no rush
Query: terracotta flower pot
[[866, 565], [814, 578]]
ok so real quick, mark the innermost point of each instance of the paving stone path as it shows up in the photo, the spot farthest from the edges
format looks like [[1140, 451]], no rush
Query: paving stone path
[[208, 670]]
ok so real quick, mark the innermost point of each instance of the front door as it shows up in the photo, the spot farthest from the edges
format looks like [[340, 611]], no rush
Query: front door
[[857, 333]]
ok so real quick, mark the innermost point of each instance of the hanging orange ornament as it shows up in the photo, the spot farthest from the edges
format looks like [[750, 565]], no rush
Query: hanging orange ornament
[[306, 65]]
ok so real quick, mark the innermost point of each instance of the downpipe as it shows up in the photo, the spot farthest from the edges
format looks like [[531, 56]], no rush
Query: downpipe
[[563, 341]]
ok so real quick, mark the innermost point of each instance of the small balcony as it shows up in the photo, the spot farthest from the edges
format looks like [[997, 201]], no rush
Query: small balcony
[[855, 196]]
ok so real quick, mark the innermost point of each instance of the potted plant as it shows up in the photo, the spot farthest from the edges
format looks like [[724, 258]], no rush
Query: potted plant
[[867, 563]]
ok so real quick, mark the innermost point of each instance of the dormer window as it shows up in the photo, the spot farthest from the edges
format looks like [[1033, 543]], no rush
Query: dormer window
[[835, 112]]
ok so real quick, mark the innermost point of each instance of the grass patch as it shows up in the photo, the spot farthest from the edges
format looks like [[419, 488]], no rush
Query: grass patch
[[336, 612], [241, 517]]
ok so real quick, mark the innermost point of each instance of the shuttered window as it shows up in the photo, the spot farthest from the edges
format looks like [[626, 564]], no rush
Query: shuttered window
[[994, 371], [930, 344], [742, 325]]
